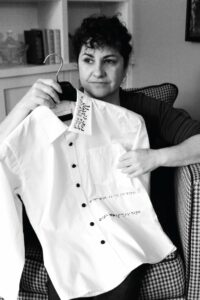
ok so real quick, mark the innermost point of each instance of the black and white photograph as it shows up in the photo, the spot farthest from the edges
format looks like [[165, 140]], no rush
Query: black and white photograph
[[193, 21], [99, 149]]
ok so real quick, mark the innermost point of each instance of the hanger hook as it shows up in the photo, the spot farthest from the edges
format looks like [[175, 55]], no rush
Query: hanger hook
[[61, 62]]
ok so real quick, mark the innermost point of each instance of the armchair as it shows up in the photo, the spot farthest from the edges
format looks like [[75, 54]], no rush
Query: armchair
[[175, 196]]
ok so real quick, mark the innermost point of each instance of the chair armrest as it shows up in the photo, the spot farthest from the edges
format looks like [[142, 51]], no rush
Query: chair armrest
[[187, 187]]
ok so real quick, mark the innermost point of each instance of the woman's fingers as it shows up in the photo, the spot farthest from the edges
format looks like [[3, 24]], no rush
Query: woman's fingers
[[42, 92], [139, 161], [50, 82], [44, 99], [124, 164], [125, 160], [49, 88]]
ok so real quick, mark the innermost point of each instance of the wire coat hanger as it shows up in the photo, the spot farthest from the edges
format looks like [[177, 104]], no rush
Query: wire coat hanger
[[64, 117], [68, 91], [61, 63]]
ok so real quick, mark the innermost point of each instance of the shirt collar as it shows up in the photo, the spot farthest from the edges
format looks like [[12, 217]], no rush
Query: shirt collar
[[81, 122]]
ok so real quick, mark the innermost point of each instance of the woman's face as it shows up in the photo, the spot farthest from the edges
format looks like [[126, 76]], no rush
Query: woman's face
[[101, 71]]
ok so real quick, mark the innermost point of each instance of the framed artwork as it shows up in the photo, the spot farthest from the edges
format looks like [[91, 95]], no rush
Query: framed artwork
[[192, 31]]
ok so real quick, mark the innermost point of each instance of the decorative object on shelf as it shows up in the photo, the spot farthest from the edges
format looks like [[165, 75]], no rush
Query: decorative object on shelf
[[52, 44], [42, 42], [12, 51], [35, 53], [192, 31], [57, 44], [71, 51]]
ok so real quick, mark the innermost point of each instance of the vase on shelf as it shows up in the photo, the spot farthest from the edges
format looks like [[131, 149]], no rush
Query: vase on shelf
[[12, 51]]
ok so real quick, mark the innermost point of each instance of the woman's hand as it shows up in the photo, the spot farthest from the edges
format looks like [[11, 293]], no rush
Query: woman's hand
[[138, 162], [43, 92]]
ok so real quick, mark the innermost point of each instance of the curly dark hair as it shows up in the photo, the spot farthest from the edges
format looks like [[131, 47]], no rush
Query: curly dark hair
[[98, 31]]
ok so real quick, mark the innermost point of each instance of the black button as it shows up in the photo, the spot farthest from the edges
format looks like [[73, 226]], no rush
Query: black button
[[83, 205], [102, 242], [73, 166], [78, 185], [91, 223], [70, 144]]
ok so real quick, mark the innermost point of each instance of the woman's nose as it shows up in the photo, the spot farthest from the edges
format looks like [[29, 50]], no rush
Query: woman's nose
[[99, 70]]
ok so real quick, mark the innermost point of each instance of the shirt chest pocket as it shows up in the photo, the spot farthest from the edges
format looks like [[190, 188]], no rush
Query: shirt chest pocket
[[102, 164]]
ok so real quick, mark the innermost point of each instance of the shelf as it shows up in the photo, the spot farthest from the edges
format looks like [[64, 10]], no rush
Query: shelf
[[26, 1], [100, 1], [16, 71]]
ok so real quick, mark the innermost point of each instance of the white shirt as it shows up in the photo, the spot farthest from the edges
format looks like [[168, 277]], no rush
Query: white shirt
[[95, 224]]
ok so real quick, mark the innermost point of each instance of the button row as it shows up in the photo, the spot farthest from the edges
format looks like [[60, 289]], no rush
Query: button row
[[83, 204], [92, 223]]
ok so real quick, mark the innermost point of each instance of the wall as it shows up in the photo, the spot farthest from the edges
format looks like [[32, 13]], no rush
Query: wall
[[161, 52]]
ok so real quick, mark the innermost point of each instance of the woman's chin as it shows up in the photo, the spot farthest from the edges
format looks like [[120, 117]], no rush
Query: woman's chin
[[97, 94]]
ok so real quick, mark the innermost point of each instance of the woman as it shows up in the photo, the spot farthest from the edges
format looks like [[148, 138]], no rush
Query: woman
[[102, 48]]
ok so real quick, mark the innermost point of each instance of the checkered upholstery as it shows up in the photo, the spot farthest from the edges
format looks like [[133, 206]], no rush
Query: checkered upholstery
[[166, 92], [164, 280], [32, 296], [34, 277], [178, 276], [188, 215]]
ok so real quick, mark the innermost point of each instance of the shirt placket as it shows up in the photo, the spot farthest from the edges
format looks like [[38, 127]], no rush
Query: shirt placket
[[79, 189]]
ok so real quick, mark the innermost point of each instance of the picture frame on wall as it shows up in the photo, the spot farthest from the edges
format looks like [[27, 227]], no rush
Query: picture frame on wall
[[192, 30]]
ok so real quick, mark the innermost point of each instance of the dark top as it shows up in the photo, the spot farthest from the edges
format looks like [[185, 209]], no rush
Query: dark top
[[165, 124]]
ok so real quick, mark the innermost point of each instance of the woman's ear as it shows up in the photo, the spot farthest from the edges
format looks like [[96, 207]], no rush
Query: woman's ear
[[124, 77], [124, 81]]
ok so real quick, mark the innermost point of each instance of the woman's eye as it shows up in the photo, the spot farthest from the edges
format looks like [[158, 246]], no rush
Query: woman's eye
[[110, 61], [88, 60]]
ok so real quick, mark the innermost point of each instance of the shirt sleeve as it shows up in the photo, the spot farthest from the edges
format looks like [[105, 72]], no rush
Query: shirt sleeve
[[176, 125], [11, 233]]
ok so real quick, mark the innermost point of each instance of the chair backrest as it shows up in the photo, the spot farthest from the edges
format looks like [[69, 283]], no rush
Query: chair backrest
[[167, 92]]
